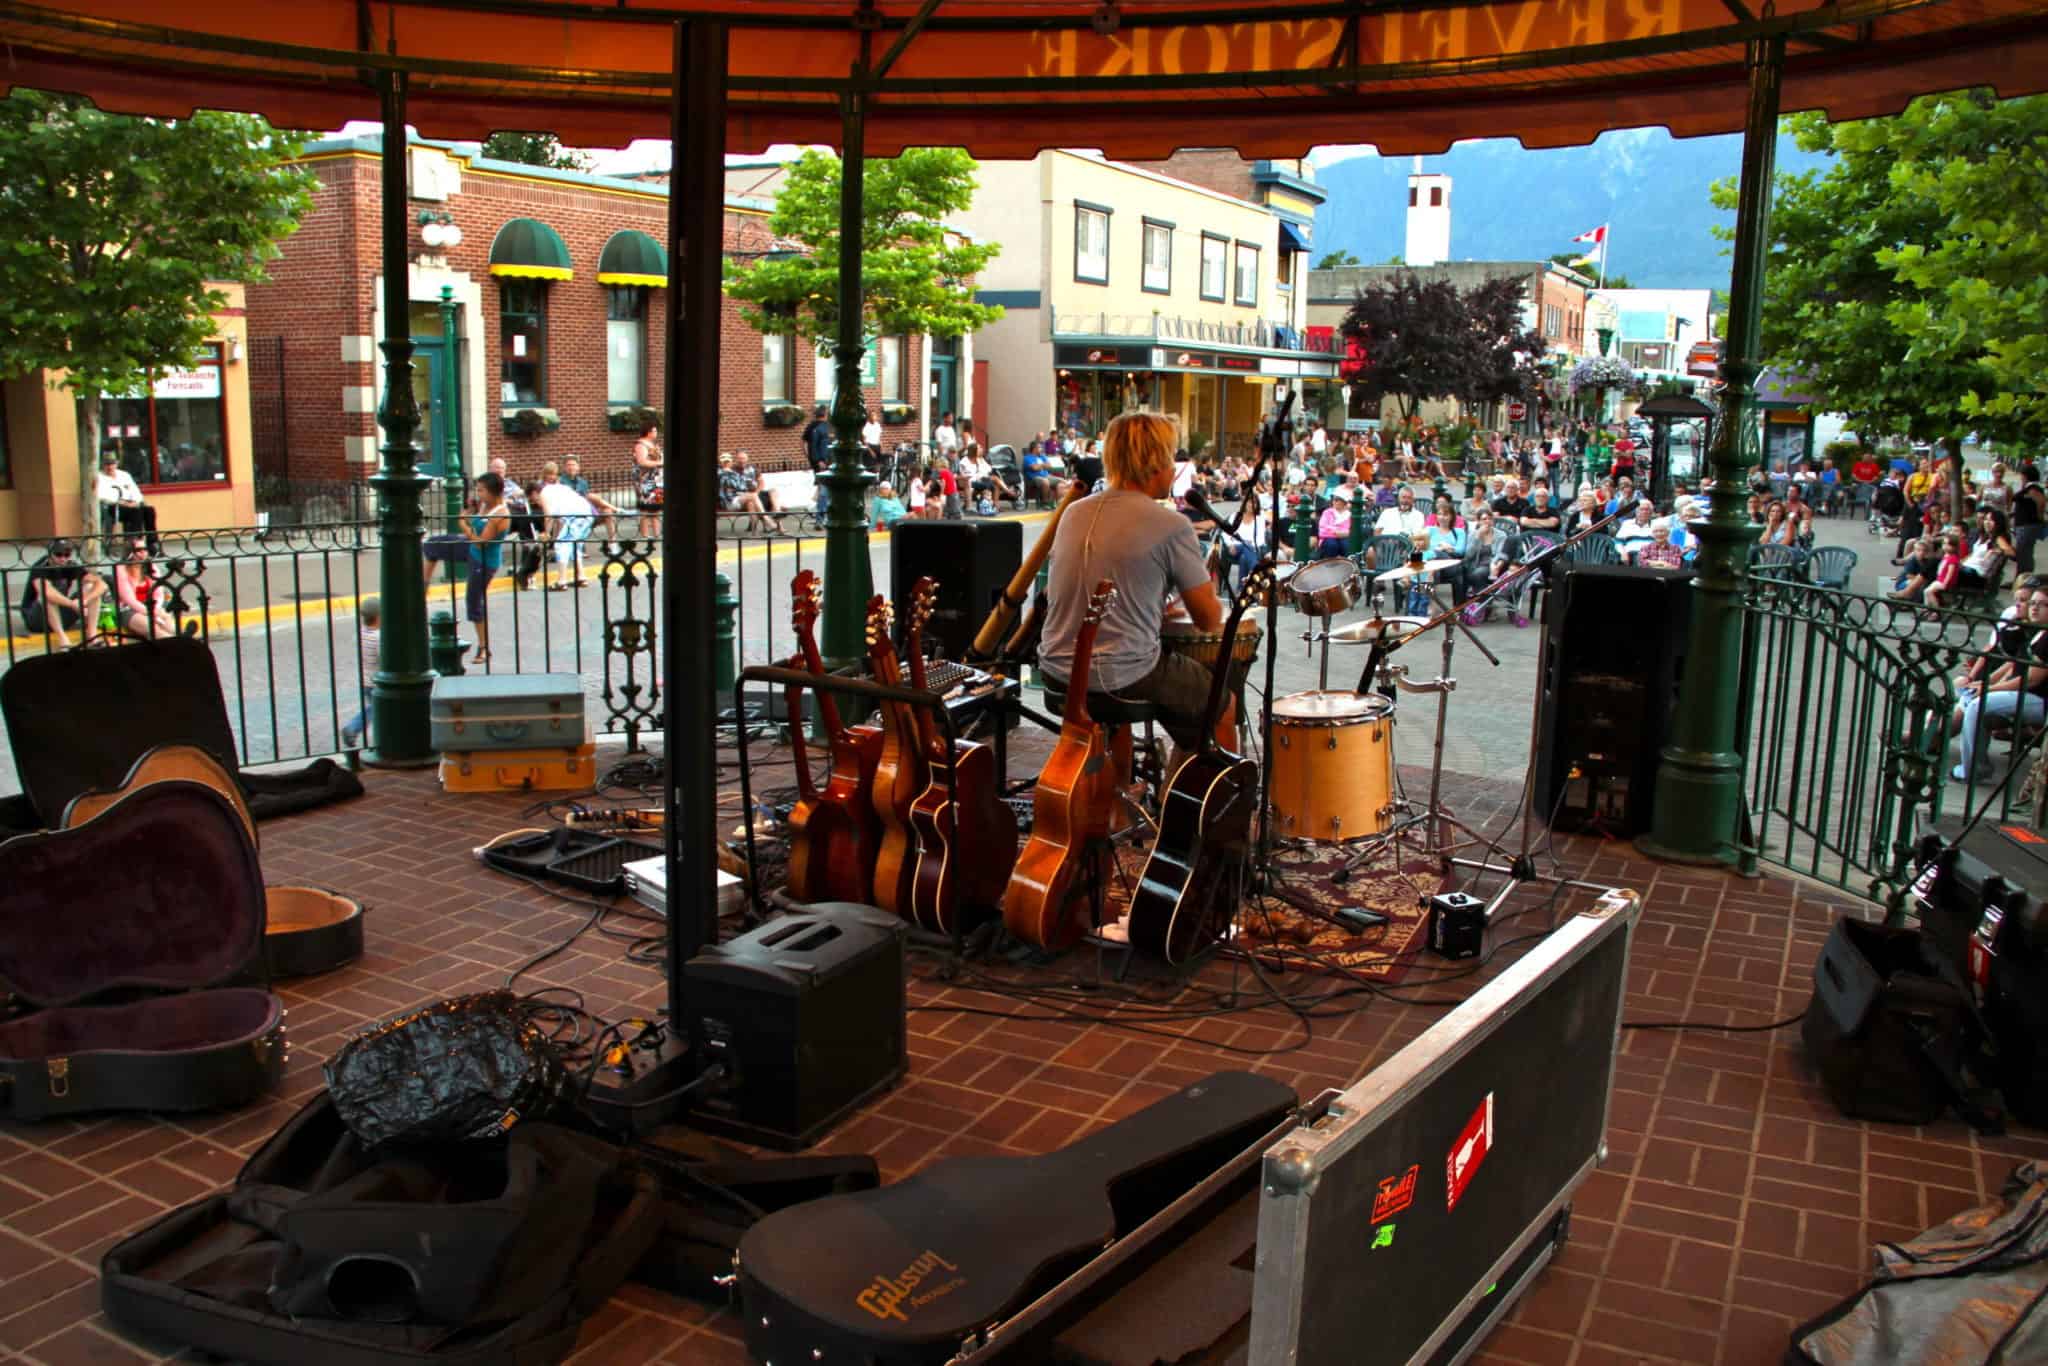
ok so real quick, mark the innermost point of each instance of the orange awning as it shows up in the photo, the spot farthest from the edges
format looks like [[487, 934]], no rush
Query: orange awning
[[1270, 77]]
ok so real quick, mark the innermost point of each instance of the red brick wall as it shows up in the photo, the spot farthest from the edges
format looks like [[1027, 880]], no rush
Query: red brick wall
[[1214, 168], [322, 288]]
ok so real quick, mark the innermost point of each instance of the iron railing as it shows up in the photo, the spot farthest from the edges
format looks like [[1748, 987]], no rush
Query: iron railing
[[1848, 717]]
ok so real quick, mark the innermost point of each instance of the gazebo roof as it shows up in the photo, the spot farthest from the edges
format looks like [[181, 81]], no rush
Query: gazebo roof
[[1136, 78]]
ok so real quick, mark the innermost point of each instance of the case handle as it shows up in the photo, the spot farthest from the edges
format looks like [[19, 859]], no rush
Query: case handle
[[506, 730]]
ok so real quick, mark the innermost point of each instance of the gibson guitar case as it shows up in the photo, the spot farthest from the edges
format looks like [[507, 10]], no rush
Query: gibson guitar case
[[124, 944], [907, 1273]]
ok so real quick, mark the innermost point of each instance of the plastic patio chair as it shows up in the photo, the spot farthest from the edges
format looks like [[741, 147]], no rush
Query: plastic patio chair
[[1776, 561], [1831, 566], [1596, 549]]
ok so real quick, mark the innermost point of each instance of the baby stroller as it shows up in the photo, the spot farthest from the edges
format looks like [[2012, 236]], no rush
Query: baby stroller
[[1887, 506]]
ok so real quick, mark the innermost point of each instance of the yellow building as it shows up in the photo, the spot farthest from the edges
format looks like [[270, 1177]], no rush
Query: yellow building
[[1136, 288], [184, 438]]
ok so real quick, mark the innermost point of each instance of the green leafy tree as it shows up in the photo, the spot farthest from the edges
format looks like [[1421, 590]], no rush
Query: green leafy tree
[[915, 276], [1426, 339], [1335, 259], [535, 149], [117, 228], [1904, 279]]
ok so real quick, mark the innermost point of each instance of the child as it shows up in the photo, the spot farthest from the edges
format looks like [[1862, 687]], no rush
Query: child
[[917, 493], [1946, 575], [369, 613]]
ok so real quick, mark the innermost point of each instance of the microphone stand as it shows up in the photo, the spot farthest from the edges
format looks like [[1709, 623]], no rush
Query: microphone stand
[[1271, 456]]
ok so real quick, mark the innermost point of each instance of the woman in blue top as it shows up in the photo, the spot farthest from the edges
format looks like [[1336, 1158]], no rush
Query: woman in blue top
[[1447, 540], [486, 530]]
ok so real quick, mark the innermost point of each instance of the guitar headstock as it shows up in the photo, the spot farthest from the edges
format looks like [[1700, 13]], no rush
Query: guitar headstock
[[1099, 600], [1258, 583], [923, 594], [806, 592], [881, 618]]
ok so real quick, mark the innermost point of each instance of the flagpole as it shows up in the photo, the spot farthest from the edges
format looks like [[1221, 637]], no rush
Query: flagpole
[[1606, 236]]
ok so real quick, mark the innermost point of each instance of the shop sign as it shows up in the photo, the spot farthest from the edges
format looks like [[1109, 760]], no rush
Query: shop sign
[[1102, 357], [201, 383], [1248, 364]]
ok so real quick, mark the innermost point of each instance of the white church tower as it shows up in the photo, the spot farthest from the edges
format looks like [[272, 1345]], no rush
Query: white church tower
[[1429, 218]]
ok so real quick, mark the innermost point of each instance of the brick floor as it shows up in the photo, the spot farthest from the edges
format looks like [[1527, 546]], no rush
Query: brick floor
[[1734, 1203]]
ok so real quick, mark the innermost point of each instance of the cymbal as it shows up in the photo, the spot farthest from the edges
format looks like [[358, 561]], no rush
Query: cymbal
[[1409, 571], [1366, 632]]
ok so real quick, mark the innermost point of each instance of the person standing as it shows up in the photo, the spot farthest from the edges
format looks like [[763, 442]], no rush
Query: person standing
[[2029, 512], [486, 531], [946, 437], [648, 464], [818, 453]]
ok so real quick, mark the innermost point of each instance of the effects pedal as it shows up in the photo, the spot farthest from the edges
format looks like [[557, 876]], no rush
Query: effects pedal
[[1457, 925]]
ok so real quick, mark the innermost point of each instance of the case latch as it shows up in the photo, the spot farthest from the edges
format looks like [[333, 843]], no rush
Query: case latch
[[60, 1076]]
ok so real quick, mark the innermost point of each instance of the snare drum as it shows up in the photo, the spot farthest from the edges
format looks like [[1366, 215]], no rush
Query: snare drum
[[1184, 638], [1332, 763], [1324, 588]]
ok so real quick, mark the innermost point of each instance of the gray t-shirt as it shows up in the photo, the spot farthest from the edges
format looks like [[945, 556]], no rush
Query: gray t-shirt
[[1147, 551]]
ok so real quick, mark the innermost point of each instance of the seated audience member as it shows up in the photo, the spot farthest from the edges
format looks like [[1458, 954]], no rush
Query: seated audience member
[[1402, 519], [889, 509], [1659, 552], [2007, 635], [1948, 573], [1333, 529], [1489, 549], [1037, 470], [1511, 504], [1633, 532], [749, 496], [1917, 571], [143, 604], [121, 503], [1448, 533], [62, 596], [2016, 691], [1541, 516]]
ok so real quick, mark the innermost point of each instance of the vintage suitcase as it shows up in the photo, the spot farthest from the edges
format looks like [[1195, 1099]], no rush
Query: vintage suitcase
[[520, 770], [475, 712], [129, 941]]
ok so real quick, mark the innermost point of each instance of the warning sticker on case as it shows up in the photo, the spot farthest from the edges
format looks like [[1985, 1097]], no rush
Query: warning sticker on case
[[1470, 1149]]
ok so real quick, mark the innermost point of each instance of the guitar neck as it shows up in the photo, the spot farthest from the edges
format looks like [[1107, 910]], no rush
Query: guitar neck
[[1221, 669], [828, 710]]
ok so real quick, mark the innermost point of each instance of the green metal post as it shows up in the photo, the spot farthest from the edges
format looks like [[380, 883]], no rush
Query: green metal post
[[451, 392], [1699, 783], [1304, 526], [398, 697], [849, 576], [725, 670], [444, 646], [1357, 542]]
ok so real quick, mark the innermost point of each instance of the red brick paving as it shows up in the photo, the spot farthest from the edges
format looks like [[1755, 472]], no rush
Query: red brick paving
[[1735, 1201]]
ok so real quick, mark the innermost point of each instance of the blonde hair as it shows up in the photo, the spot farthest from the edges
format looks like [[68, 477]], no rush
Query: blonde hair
[[1138, 448]]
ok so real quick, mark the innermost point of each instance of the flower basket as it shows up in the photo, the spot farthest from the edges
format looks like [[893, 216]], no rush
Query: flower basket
[[898, 414], [633, 419], [531, 421], [781, 415]]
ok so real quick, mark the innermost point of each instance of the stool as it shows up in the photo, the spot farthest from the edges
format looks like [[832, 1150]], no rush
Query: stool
[[1117, 715]]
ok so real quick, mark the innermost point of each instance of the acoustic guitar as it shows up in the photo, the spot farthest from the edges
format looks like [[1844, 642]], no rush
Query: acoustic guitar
[[1184, 896], [966, 834], [1071, 808], [899, 772], [833, 834]]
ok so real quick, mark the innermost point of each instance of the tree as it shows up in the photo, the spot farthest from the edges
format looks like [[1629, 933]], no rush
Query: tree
[[1424, 339], [117, 227], [915, 276], [535, 149], [1335, 259], [1904, 278], [1507, 358]]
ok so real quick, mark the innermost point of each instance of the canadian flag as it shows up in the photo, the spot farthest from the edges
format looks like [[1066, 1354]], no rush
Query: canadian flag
[[1598, 234]]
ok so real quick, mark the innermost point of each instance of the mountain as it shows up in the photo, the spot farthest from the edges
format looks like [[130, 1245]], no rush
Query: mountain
[[1512, 204]]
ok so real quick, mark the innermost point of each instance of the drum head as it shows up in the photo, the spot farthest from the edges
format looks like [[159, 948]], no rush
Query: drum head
[[1334, 572], [1329, 708]]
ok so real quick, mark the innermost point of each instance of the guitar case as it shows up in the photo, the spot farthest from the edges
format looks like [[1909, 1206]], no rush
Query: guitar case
[[126, 947], [904, 1275]]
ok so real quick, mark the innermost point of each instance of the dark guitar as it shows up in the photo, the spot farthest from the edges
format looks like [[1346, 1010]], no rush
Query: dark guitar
[[1183, 898], [1071, 808], [833, 834], [899, 773], [966, 835]]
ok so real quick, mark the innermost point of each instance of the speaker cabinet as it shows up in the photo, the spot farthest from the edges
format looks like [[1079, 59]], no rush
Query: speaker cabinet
[[972, 560], [1616, 654]]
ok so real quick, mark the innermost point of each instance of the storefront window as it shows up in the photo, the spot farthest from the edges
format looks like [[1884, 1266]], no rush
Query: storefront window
[[1091, 245], [174, 434], [523, 341], [890, 359], [1215, 267], [1158, 257], [625, 344], [774, 367], [1247, 273]]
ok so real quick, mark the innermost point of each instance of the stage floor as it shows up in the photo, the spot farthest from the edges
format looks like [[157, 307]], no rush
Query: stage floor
[[1735, 1201]]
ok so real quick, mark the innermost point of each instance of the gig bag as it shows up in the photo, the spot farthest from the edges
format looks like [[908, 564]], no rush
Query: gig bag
[[127, 945]]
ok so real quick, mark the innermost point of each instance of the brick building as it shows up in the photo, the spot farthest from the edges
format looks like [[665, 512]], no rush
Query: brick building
[[558, 284]]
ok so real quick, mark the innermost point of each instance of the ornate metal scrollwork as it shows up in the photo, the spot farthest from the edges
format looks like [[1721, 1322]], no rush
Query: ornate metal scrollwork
[[629, 597]]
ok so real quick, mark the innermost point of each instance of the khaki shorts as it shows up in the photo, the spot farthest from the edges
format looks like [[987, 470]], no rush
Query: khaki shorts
[[1177, 685]]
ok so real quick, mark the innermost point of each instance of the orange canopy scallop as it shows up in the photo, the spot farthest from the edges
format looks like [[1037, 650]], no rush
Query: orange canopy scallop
[[1270, 77]]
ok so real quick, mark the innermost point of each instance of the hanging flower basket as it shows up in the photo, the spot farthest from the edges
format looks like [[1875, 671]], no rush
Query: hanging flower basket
[[781, 415], [632, 419], [1601, 372], [898, 414], [531, 421]]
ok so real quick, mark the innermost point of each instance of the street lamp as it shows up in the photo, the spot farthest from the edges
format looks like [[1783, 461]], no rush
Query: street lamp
[[1345, 391], [437, 228]]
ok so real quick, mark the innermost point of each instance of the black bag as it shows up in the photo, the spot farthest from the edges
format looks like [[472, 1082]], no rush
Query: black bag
[[326, 1253]]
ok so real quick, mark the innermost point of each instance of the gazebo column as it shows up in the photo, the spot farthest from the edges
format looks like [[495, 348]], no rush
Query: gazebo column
[[696, 243], [398, 699], [849, 577], [1699, 783]]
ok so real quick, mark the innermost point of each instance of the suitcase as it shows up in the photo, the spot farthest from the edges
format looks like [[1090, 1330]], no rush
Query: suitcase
[[476, 712], [520, 770], [129, 944]]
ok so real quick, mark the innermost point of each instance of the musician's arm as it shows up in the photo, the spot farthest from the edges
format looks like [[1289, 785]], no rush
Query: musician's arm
[[1205, 609]]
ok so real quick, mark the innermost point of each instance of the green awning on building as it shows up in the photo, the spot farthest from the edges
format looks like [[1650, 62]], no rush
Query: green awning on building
[[529, 249], [633, 258]]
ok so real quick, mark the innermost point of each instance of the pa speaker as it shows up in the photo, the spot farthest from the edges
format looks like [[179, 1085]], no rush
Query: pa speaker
[[973, 561], [1616, 639]]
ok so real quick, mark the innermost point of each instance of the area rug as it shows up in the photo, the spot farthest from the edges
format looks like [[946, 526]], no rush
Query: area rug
[[1296, 927]]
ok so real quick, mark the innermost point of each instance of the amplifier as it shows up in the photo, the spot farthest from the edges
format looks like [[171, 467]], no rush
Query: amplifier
[[806, 1013]]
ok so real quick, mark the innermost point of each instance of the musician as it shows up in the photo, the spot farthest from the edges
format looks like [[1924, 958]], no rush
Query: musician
[[1125, 534]]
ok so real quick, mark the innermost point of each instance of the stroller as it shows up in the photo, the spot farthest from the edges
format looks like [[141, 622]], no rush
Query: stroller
[[1887, 507]]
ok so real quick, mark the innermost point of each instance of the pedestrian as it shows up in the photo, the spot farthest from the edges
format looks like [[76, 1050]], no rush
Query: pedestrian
[[818, 450], [486, 531], [648, 462], [370, 654]]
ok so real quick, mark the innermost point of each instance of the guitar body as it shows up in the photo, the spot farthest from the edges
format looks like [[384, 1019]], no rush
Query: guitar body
[[897, 782], [1186, 892], [1071, 810], [966, 840], [181, 763], [834, 837]]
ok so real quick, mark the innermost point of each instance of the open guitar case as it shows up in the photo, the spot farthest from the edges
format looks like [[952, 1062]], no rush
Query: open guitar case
[[78, 720], [131, 961]]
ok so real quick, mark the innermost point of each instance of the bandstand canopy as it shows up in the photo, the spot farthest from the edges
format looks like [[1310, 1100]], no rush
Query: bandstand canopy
[[1005, 78]]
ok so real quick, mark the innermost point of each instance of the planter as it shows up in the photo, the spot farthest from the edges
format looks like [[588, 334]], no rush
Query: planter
[[530, 421], [781, 415], [898, 414], [633, 419]]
